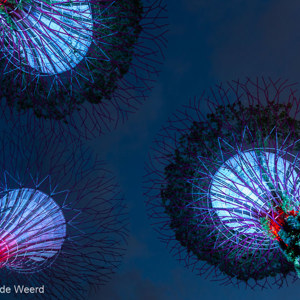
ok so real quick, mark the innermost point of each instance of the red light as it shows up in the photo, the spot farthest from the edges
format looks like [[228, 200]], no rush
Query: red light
[[277, 222]]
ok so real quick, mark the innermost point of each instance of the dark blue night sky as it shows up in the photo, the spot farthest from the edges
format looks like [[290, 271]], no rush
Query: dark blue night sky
[[209, 42]]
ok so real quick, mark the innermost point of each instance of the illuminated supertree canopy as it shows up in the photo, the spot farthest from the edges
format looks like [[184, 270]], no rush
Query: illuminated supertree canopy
[[63, 225], [89, 62], [223, 183]]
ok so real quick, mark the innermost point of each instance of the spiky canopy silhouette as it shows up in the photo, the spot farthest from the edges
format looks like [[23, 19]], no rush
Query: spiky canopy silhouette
[[223, 187], [92, 61], [63, 220]]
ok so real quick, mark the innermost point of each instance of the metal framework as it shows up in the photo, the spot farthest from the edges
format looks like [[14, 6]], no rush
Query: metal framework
[[63, 222], [76, 64], [223, 188]]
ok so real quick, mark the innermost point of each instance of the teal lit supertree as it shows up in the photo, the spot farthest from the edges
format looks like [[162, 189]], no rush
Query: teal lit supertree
[[86, 63], [63, 225], [223, 187]]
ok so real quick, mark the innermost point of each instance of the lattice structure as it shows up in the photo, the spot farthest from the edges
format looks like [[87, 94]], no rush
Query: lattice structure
[[86, 63], [63, 222], [33, 230], [223, 188]]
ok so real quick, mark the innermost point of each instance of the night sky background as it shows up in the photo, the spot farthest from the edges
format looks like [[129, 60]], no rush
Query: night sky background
[[208, 42]]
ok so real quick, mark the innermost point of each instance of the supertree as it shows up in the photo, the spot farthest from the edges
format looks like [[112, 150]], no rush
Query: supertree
[[86, 63], [63, 225], [222, 183]]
